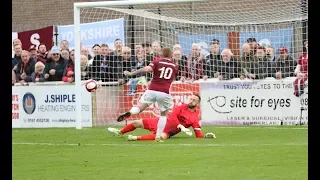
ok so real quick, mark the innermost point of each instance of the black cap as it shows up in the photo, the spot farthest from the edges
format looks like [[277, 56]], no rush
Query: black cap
[[95, 46], [214, 41], [251, 40]]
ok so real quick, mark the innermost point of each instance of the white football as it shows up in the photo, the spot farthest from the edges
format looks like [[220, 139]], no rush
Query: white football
[[91, 85]]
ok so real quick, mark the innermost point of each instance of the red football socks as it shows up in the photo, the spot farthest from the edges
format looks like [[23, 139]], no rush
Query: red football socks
[[147, 137], [127, 128]]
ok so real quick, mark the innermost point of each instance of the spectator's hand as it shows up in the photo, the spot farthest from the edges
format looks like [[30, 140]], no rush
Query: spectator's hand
[[70, 79], [205, 77], [252, 76], [83, 73], [182, 79], [22, 81], [278, 75], [15, 68], [133, 70], [220, 77], [23, 76], [48, 55], [46, 76], [217, 74], [242, 77], [37, 79], [121, 81], [70, 73], [52, 72], [126, 73]]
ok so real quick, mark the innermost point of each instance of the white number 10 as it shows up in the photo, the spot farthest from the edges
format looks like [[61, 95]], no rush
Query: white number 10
[[166, 72]]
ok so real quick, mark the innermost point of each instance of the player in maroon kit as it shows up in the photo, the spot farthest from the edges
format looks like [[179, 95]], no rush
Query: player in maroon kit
[[302, 72], [164, 73], [181, 118]]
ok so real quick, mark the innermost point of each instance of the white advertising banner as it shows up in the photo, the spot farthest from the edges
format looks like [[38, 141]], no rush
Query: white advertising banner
[[48, 106], [265, 102]]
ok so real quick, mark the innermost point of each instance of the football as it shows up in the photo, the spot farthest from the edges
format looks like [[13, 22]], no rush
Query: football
[[91, 85]]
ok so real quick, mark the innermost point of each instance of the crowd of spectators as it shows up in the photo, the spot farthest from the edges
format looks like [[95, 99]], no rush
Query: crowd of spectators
[[107, 65]]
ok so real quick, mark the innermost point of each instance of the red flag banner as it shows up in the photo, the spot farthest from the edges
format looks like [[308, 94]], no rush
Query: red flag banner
[[33, 38]]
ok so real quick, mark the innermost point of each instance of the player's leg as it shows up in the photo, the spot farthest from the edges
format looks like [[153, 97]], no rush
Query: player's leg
[[146, 137], [128, 128], [164, 103], [145, 101]]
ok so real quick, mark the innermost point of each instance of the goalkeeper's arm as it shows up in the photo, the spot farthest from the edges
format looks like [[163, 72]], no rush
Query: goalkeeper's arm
[[197, 131], [199, 134]]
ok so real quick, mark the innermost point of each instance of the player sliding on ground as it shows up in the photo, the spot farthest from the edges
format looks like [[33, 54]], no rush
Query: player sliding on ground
[[181, 118], [164, 72]]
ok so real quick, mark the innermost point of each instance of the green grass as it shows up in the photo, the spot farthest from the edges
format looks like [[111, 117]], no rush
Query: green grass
[[249, 153]]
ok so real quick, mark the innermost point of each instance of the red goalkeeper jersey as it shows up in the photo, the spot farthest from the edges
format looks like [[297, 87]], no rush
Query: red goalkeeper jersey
[[182, 115]]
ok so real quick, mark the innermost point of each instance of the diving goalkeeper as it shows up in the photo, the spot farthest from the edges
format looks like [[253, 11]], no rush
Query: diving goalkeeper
[[181, 118]]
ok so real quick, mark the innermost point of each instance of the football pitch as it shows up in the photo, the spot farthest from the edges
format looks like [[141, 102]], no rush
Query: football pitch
[[238, 153]]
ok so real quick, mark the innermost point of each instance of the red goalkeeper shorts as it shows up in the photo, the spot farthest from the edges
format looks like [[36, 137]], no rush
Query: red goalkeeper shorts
[[151, 124]]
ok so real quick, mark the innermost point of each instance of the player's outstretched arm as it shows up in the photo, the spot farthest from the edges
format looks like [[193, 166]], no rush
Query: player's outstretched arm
[[199, 134], [139, 71]]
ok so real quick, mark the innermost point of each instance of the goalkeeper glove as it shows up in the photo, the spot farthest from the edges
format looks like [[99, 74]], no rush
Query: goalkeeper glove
[[185, 130], [210, 135]]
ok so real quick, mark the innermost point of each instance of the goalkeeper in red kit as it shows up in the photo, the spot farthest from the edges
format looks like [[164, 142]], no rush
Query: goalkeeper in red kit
[[181, 118]]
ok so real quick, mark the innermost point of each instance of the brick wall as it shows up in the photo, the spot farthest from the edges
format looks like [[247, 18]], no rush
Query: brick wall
[[34, 14]]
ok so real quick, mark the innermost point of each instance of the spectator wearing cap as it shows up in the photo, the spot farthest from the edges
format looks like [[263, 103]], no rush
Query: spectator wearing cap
[[95, 50], [285, 65], [253, 44], [211, 59], [54, 66], [33, 51], [25, 67], [37, 75]]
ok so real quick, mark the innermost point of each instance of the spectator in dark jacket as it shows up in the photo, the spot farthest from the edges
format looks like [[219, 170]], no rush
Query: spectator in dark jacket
[[54, 66], [25, 67]]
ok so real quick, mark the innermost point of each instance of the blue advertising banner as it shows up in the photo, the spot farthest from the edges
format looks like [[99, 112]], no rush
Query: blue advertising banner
[[186, 41], [94, 33], [275, 39]]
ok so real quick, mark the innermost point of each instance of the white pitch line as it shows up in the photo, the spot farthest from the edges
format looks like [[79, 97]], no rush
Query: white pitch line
[[162, 144]]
